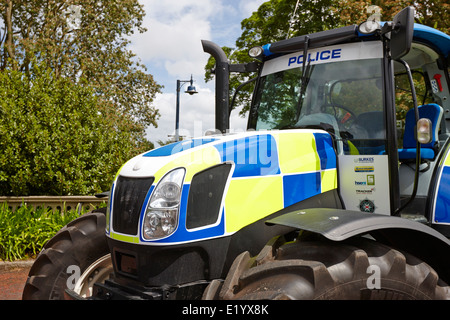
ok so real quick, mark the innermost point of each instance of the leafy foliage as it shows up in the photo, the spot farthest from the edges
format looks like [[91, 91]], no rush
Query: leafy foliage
[[56, 138], [74, 101], [25, 231], [432, 13], [83, 39]]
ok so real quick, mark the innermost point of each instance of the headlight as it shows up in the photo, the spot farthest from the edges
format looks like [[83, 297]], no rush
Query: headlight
[[161, 214], [256, 52]]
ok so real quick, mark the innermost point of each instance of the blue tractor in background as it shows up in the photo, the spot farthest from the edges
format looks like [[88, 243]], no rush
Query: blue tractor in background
[[340, 189]]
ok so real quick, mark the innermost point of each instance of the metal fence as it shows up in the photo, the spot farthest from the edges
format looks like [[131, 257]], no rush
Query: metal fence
[[55, 203]]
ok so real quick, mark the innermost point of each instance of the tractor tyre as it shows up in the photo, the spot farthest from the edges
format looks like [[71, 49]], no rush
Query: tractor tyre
[[359, 269], [76, 257]]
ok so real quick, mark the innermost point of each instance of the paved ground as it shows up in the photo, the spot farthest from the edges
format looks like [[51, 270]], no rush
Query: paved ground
[[13, 276]]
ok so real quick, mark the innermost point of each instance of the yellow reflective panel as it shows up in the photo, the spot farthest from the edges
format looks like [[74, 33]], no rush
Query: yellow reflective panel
[[249, 200], [447, 158], [329, 180], [297, 152], [124, 238]]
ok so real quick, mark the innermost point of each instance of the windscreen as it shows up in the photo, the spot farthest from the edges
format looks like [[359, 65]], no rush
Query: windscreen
[[338, 89]]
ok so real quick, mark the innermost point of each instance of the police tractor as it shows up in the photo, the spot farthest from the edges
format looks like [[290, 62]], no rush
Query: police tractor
[[339, 189]]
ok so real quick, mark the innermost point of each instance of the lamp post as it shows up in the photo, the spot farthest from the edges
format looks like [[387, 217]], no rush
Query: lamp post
[[191, 90]]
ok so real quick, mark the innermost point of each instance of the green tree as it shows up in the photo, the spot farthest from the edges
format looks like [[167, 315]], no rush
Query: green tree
[[432, 13], [53, 139], [75, 101], [83, 39]]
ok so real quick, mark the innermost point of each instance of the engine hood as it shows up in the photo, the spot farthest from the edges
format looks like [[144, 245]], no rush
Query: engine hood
[[267, 171], [252, 154]]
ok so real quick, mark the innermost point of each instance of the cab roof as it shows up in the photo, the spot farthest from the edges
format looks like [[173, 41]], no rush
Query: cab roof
[[424, 34], [432, 37]]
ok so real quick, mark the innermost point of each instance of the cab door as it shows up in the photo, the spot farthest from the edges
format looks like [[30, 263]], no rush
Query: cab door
[[433, 189]]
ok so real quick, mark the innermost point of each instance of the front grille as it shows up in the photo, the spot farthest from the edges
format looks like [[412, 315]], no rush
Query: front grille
[[129, 196], [205, 196]]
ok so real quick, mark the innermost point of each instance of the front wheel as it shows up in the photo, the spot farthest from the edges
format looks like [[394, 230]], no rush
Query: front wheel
[[75, 258], [360, 269]]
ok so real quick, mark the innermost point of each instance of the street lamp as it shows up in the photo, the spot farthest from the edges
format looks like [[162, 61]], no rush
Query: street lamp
[[191, 90]]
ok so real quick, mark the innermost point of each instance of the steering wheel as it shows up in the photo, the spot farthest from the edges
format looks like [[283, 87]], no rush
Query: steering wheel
[[344, 116]]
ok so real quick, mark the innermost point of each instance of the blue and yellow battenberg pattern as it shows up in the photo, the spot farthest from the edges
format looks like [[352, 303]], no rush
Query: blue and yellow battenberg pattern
[[270, 171]]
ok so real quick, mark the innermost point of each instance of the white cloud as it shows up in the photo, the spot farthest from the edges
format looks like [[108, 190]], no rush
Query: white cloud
[[171, 49], [196, 114], [175, 30], [171, 10], [248, 7]]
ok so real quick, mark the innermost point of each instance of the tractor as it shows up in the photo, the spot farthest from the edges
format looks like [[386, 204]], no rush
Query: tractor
[[339, 189]]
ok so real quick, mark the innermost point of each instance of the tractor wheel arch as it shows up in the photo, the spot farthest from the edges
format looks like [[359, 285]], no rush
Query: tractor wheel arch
[[332, 256], [318, 268], [402, 234]]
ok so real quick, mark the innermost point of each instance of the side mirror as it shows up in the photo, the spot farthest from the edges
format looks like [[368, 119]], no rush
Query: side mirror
[[402, 33], [424, 131]]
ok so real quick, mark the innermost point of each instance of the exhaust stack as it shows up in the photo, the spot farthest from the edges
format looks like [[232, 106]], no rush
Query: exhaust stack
[[222, 73]]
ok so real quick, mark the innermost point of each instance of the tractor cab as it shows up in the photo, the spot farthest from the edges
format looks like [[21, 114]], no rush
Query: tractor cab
[[376, 93], [428, 63]]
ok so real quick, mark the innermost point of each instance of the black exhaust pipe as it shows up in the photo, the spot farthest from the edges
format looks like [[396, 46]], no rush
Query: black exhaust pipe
[[222, 73]]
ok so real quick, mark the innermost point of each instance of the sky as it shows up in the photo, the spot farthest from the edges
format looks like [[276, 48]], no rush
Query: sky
[[171, 50]]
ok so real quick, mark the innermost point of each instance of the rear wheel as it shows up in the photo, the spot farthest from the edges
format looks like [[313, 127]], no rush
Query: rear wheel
[[75, 258], [357, 270]]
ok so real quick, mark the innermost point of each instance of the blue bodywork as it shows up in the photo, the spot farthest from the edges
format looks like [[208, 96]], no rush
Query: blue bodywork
[[436, 38]]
